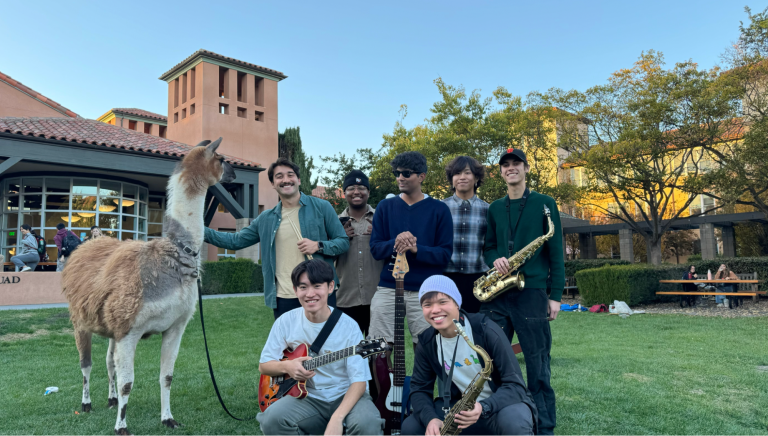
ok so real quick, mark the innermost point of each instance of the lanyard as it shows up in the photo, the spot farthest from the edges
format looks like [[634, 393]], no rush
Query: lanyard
[[449, 378], [513, 231]]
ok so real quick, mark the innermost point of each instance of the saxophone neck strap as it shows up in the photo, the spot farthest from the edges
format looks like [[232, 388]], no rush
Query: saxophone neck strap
[[513, 230], [447, 380]]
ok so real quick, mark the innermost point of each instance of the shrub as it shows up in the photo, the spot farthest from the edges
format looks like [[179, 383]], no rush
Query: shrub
[[633, 284], [573, 266], [232, 276]]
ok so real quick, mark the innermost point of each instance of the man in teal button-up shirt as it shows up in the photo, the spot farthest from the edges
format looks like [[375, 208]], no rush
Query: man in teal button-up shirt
[[322, 235]]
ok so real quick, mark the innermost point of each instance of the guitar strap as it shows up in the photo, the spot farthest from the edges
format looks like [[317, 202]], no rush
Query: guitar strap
[[325, 332]]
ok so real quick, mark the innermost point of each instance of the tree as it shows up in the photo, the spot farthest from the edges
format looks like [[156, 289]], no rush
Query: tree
[[289, 147], [639, 138]]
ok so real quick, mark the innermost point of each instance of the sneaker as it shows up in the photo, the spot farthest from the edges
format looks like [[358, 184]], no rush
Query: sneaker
[[720, 305], [26, 268]]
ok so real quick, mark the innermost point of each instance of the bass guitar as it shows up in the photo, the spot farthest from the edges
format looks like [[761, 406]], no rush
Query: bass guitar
[[389, 376], [272, 389]]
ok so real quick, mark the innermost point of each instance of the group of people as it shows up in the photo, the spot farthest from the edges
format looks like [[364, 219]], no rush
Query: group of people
[[723, 273], [33, 247], [316, 262]]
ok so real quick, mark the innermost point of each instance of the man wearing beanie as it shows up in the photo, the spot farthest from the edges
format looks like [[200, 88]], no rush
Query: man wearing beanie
[[442, 356], [357, 269]]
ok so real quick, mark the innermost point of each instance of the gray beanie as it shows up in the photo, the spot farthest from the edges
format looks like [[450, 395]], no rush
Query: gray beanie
[[442, 284]]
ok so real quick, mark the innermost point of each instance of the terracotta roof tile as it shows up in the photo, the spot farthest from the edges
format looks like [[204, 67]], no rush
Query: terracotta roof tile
[[211, 54], [34, 94], [84, 131], [139, 113]]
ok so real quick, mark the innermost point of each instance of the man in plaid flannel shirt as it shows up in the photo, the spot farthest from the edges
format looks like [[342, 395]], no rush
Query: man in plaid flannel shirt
[[469, 213]]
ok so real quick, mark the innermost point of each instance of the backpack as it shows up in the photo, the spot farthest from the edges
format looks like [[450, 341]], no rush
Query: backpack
[[41, 249], [69, 244]]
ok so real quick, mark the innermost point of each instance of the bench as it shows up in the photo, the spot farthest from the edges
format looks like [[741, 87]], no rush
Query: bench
[[570, 285], [746, 286]]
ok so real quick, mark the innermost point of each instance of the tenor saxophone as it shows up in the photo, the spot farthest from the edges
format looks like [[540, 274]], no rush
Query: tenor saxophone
[[493, 284], [473, 391]]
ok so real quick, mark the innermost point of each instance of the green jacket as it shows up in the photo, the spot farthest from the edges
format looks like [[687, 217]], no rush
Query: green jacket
[[547, 262], [318, 222]]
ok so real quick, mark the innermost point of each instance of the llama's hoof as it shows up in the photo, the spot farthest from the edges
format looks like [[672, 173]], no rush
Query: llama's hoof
[[122, 431], [86, 407], [171, 423], [112, 403]]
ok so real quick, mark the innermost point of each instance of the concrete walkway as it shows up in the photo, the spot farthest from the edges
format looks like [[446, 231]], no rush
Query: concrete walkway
[[59, 305]]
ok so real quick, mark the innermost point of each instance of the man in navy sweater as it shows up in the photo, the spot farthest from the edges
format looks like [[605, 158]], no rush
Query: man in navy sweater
[[415, 224]]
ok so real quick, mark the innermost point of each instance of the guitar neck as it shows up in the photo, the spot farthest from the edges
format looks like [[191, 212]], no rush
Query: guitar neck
[[328, 358], [398, 354]]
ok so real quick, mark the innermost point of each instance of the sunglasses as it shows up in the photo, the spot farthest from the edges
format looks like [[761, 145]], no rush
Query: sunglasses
[[406, 173]]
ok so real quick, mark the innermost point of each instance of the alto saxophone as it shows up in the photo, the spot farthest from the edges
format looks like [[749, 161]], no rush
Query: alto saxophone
[[468, 398], [493, 284]]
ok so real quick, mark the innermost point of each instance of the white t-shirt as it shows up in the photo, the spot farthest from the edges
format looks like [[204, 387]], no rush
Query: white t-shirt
[[330, 381], [468, 363]]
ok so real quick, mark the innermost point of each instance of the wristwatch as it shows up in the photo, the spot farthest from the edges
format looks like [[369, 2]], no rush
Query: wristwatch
[[319, 246], [486, 413]]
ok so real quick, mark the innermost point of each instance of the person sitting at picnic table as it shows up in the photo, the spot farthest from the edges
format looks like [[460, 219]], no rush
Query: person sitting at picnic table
[[724, 273], [690, 287]]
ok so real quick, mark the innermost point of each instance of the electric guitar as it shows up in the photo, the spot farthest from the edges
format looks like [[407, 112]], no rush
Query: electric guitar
[[272, 389], [389, 377]]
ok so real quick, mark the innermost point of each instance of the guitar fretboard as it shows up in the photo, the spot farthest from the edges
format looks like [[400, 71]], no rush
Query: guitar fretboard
[[325, 359], [398, 354]]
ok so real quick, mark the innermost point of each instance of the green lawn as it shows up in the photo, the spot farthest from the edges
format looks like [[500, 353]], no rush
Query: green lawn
[[658, 374]]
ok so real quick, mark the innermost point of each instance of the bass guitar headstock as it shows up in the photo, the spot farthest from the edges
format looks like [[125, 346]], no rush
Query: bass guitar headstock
[[370, 347], [401, 267]]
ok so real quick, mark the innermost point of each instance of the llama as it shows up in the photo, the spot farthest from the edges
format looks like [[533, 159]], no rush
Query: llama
[[130, 290]]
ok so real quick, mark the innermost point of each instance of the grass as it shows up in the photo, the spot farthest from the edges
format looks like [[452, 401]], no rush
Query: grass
[[661, 374]]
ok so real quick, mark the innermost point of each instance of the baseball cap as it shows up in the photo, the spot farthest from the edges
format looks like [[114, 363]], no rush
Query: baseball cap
[[514, 153]]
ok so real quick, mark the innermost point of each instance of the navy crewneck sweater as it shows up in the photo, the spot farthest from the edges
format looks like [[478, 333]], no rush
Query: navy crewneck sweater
[[430, 221]]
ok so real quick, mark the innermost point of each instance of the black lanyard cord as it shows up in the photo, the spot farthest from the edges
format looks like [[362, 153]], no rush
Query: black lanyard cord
[[513, 231], [449, 378]]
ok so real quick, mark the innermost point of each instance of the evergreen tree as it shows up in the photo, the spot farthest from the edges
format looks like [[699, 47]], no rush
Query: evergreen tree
[[289, 147]]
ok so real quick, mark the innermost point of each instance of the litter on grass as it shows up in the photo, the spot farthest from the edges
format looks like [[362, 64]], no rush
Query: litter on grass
[[51, 390]]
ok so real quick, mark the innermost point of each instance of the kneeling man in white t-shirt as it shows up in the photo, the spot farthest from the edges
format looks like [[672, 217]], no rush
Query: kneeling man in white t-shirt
[[337, 393]]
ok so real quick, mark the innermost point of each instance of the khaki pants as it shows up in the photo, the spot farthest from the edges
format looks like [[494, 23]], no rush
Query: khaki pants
[[383, 314], [291, 415]]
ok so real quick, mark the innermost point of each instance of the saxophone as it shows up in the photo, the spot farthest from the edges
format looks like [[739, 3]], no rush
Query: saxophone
[[468, 398], [493, 284]]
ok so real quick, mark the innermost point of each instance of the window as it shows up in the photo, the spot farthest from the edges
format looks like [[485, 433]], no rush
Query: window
[[120, 209], [242, 87], [176, 93], [162, 131], [223, 82], [183, 113], [176, 117], [191, 109], [132, 124], [259, 88], [155, 219], [191, 84], [148, 128], [223, 252], [223, 109], [220, 208], [241, 112], [183, 88], [259, 116]]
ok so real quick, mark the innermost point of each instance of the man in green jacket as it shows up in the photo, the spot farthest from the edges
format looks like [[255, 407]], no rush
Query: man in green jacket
[[298, 228], [514, 222]]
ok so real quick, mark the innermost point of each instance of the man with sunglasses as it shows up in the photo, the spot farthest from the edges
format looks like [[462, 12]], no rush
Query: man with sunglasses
[[415, 224], [357, 269]]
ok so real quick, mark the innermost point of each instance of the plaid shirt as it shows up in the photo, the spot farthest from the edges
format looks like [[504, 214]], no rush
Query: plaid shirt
[[469, 224]]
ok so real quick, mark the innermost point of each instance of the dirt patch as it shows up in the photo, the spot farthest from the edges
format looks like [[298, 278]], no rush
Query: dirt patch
[[638, 377], [697, 392], [16, 337], [57, 317], [762, 368]]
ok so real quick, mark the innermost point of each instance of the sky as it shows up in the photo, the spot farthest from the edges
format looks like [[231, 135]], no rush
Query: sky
[[350, 65]]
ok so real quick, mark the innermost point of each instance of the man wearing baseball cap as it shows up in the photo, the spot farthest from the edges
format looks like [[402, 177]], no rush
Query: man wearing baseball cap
[[444, 357], [515, 221]]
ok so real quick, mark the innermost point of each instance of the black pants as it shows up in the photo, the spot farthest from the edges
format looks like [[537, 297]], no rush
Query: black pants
[[361, 314], [511, 420], [288, 304], [525, 312], [466, 284]]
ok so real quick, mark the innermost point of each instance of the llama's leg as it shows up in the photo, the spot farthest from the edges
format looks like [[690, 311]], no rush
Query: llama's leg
[[170, 349], [112, 401], [125, 349], [83, 341]]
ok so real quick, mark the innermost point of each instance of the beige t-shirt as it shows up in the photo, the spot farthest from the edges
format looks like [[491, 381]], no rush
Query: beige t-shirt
[[287, 254]]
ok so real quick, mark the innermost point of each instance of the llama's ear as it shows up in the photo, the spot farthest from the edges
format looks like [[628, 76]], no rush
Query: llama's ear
[[214, 145], [203, 143]]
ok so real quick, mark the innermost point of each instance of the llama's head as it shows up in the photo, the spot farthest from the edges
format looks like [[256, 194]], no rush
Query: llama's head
[[203, 167]]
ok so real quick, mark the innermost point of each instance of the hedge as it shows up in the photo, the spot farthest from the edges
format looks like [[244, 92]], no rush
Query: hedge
[[573, 266], [232, 276], [633, 284]]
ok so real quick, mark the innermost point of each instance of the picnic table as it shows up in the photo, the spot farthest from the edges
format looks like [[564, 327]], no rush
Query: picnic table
[[731, 301]]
